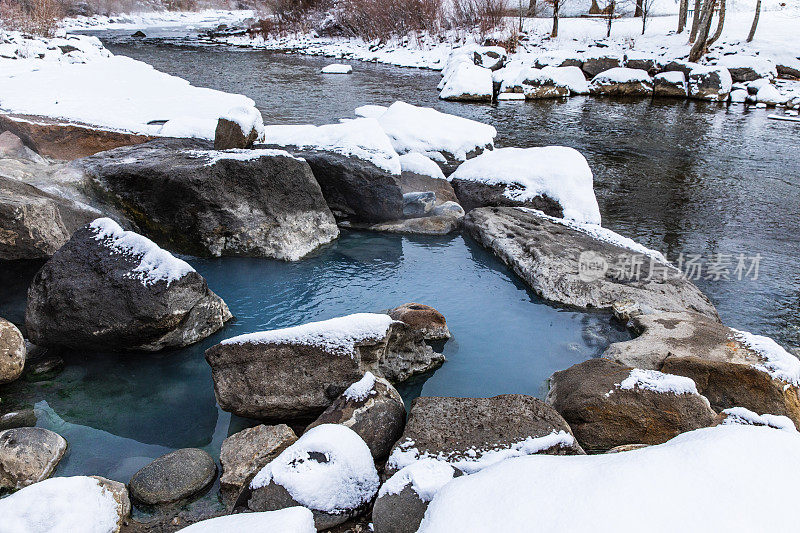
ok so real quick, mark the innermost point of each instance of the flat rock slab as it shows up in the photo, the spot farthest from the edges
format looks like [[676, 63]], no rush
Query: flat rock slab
[[28, 455], [549, 256], [173, 477]]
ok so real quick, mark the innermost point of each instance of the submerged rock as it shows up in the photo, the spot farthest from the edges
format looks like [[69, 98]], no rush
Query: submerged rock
[[298, 372], [173, 477], [607, 404], [373, 409], [445, 219], [18, 419], [110, 289], [579, 265], [28, 455], [244, 453], [473, 433], [263, 203], [12, 352]]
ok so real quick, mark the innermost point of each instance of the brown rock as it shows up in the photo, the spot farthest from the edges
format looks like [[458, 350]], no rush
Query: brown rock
[[28, 455], [120, 493], [244, 453], [423, 318], [230, 135], [12, 352], [627, 448]]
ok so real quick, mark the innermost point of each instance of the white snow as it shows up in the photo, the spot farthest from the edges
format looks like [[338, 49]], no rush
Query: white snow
[[423, 129], [725, 478], [337, 335], [761, 66], [363, 138], [571, 77], [558, 172], [620, 75], [248, 118], [769, 95], [673, 77], [337, 68], [468, 81], [740, 415], [738, 96], [425, 476], [475, 460], [511, 96], [289, 520], [776, 362], [60, 505], [210, 18], [361, 389], [420, 164], [370, 111], [660, 382], [699, 73], [238, 154], [344, 481], [155, 263]]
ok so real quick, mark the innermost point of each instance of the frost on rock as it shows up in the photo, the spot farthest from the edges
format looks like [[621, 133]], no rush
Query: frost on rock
[[425, 476], [475, 460], [344, 480], [746, 417], [776, 361], [248, 118], [337, 68], [363, 138], [558, 172], [660, 382], [290, 520], [337, 335], [420, 164], [60, 504], [423, 129], [713, 478], [212, 157], [361, 389], [155, 263]]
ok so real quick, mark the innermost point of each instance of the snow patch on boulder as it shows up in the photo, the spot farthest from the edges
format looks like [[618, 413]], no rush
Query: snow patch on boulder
[[361, 389], [777, 362], [660, 382], [425, 476], [290, 520], [420, 164], [337, 68], [746, 417]]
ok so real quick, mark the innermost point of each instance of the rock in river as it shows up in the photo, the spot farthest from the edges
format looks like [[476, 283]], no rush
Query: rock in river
[[28, 455], [173, 477], [298, 372], [12, 352], [424, 318], [110, 289], [244, 453], [622, 81], [583, 264], [184, 196]]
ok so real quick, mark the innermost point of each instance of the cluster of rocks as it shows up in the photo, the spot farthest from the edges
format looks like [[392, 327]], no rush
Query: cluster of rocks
[[486, 74]]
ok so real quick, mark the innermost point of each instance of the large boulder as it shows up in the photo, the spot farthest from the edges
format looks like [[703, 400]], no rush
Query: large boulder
[[298, 372], [607, 404], [12, 146], [539, 83], [580, 265], [28, 455], [12, 352], [173, 477], [329, 470], [597, 61], [423, 318], [421, 174], [491, 57], [473, 433], [709, 83], [110, 289], [731, 368], [748, 68], [211, 203], [622, 81], [468, 83], [373, 409], [670, 84], [244, 453]]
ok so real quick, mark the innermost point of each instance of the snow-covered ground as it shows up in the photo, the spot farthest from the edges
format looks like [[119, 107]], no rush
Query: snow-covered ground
[[209, 18]]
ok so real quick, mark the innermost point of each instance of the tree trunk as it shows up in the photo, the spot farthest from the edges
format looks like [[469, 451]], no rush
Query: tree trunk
[[699, 46], [695, 21], [611, 7], [720, 23], [532, 8], [554, 33], [638, 12], [755, 22], [644, 21], [682, 13]]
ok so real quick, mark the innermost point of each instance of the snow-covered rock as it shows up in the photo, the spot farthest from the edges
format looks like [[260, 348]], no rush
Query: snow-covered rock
[[111, 289], [240, 127], [748, 68], [337, 68], [709, 83], [419, 164], [491, 57], [12, 352], [697, 472], [536, 177], [746, 417], [672, 83], [79, 503], [290, 520], [28, 455], [770, 95], [537, 83], [329, 470], [570, 76], [622, 81], [641, 60], [598, 60], [738, 96], [468, 83]]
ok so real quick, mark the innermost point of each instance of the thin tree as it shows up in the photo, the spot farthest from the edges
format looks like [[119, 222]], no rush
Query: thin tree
[[682, 14], [755, 22], [720, 23], [639, 11], [695, 20], [556, 8], [704, 26], [532, 8], [612, 4], [647, 6]]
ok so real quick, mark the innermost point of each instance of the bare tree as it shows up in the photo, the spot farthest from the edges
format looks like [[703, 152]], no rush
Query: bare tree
[[647, 6], [639, 11], [695, 20], [700, 45], [532, 8], [556, 8], [612, 5], [720, 23], [682, 13], [755, 22]]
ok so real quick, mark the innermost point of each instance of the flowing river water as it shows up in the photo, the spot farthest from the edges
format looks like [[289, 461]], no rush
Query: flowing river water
[[683, 177]]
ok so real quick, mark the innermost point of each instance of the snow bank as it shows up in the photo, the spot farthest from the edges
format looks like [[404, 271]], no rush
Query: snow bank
[[289, 520], [363, 138], [337, 68], [158, 19], [475, 460], [656, 381], [337, 335], [777, 362], [370, 111], [725, 478], [746, 417], [558, 172], [420, 164], [345, 480], [361, 389], [425, 476], [422, 129], [155, 263], [60, 504]]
